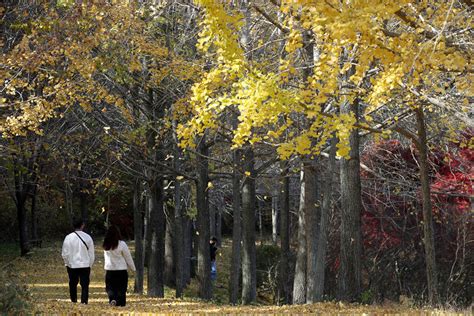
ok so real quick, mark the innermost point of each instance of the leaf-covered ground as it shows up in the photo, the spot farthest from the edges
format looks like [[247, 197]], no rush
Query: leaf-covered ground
[[47, 281]]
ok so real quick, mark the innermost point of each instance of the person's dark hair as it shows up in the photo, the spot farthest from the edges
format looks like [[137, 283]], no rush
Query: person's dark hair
[[77, 223], [112, 238], [214, 239]]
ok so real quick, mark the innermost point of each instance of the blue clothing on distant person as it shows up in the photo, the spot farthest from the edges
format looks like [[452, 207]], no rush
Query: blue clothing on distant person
[[213, 251]]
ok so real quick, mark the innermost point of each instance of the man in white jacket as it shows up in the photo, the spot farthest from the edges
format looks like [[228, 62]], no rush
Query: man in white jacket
[[78, 255]]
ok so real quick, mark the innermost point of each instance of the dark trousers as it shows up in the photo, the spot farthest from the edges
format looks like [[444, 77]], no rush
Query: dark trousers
[[116, 282], [81, 275]]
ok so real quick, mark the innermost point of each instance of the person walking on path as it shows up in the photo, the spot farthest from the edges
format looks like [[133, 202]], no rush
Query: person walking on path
[[117, 258], [78, 256], [213, 252]]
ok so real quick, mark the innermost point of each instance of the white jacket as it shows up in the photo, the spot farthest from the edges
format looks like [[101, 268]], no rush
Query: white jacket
[[118, 258], [74, 252]]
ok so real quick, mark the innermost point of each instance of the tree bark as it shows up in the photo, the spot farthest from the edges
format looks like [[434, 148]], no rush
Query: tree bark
[[25, 178], [351, 206], [179, 238], [299, 282], [212, 220], [284, 234], [202, 203], [138, 235], [82, 198], [188, 250], [194, 248], [22, 228], [147, 230], [235, 271], [219, 226], [83, 206], [428, 230], [249, 273], [34, 213], [312, 216], [275, 217], [324, 224], [157, 251], [169, 273], [21, 192]]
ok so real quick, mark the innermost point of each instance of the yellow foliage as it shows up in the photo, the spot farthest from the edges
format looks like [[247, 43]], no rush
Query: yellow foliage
[[376, 50]]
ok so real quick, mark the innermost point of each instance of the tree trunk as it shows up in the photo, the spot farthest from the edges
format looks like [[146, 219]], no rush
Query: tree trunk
[[428, 230], [83, 207], [21, 191], [194, 248], [22, 228], [249, 273], [351, 206], [324, 224], [284, 234], [157, 253], [212, 220], [179, 238], [169, 273], [188, 250], [202, 204], [34, 214], [274, 217], [82, 198], [235, 271], [312, 217], [299, 282], [219, 226], [68, 200], [138, 235], [147, 230]]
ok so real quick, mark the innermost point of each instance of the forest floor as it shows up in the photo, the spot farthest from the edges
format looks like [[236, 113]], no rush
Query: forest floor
[[46, 278]]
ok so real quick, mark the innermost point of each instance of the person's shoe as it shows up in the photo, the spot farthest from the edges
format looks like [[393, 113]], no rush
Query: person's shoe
[[113, 302]]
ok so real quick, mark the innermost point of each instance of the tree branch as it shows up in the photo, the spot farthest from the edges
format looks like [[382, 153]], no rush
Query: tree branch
[[270, 19]]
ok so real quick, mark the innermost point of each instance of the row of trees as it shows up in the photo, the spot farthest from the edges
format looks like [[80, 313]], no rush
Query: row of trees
[[187, 103]]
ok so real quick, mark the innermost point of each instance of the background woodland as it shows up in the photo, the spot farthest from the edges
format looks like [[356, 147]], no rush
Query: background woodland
[[327, 144]]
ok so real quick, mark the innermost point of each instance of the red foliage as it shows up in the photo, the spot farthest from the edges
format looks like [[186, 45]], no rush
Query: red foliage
[[386, 196], [454, 180], [392, 216], [391, 190]]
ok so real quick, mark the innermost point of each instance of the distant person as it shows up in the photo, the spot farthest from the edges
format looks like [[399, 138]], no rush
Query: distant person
[[117, 258], [213, 250], [78, 256]]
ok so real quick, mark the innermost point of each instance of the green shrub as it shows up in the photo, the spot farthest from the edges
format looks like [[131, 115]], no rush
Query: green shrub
[[14, 296], [367, 297]]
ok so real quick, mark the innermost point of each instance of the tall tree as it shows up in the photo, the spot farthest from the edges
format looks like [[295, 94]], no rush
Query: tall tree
[[235, 273], [138, 237], [312, 216], [249, 268], [299, 281], [202, 205], [428, 230], [351, 206], [285, 234], [327, 194]]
